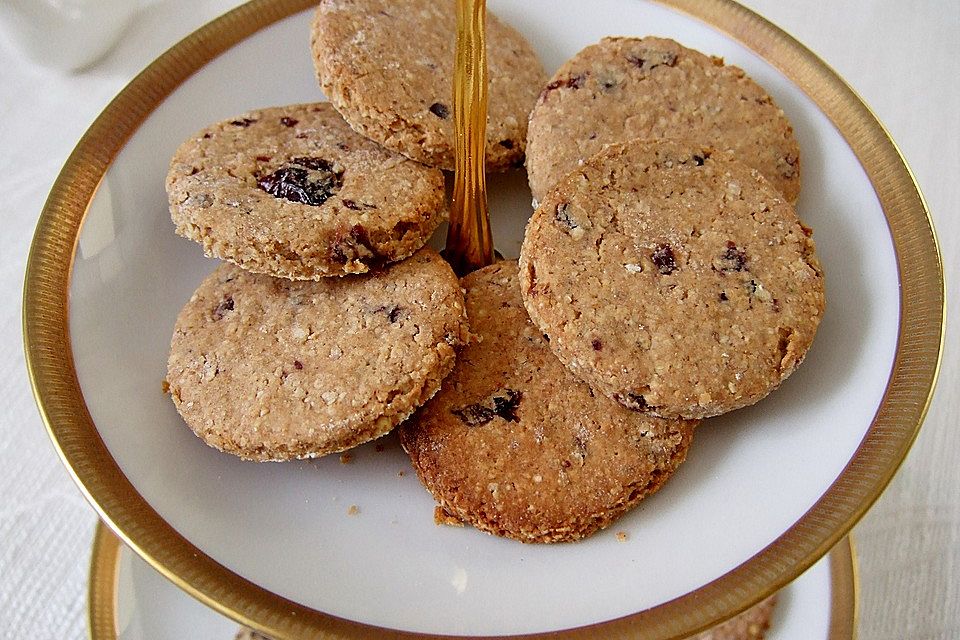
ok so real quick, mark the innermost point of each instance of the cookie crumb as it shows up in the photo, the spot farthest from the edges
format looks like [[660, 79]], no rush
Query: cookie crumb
[[443, 517], [353, 510], [622, 536], [165, 386], [400, 474], [346, 458]]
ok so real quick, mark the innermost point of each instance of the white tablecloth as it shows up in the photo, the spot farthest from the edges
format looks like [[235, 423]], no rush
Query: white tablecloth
[[902, 57]]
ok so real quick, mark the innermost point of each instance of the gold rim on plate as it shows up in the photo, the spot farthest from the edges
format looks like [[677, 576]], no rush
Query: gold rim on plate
[[103, 588], [891, 433]]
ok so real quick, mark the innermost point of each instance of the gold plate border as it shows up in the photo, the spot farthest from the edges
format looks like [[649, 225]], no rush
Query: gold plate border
[[105, 569], [895, 426]]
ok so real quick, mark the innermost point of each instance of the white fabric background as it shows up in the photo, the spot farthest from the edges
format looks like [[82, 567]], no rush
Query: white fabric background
[[902, 57]]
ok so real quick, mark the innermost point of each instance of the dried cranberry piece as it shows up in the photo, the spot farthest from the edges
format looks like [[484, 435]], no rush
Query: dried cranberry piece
[[393, 313], [243, 122], [734, 258], [310, 181], [506, 404], [440, 110], [474, 415], [355, 244], [573, 82], [632, 401], [288, 122], [221, 309], [357, 206], [723, 296], [663, 258], [506, 144], [596, 344], [297, 365], [653, 59]]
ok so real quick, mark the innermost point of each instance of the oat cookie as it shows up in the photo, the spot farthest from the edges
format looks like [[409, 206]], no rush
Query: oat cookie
[[295, 192], [752, 624], [387, 65], [273, 369], [652, 88], [672, 278], [515, 445]]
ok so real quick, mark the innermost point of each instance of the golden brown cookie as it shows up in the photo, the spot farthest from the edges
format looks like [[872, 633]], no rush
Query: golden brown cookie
[[273, 369], [516, 446], [387, 65], [673, 279], [752, 624], [651, 88], [294, 192]]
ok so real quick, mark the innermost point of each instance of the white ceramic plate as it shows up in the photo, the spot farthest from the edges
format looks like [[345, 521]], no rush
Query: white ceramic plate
[[129, 600], [765, 492]]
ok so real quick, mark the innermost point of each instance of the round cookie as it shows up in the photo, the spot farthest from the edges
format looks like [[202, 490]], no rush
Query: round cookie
[[296, 193], [752, 624], [672, 278], [387, 65], [272, 369], [516, 446], [651, 88]]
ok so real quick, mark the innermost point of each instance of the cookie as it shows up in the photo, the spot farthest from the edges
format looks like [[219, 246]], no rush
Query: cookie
[[752, 624], [387, 65], [294, 192], [672, 278], [515, 445], [273, 369], [652, 88]]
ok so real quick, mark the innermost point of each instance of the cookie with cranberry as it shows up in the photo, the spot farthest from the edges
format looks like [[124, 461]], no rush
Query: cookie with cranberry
[[294, 192], [625, 88], [273, 369], [672, 279], [387, 66], [515, 445]]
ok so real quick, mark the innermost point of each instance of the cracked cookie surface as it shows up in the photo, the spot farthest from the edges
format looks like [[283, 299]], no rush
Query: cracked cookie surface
[[516, 446], [294, 192], [273, 369], [672, 278], [652, 88], [388, 66]]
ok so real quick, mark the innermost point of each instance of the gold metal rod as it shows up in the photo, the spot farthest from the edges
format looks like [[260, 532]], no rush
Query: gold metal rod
[[469, 242]]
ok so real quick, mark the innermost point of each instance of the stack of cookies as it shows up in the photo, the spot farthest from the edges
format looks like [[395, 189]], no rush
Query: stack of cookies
[[664, 277], [665, 260], [329, 322]]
